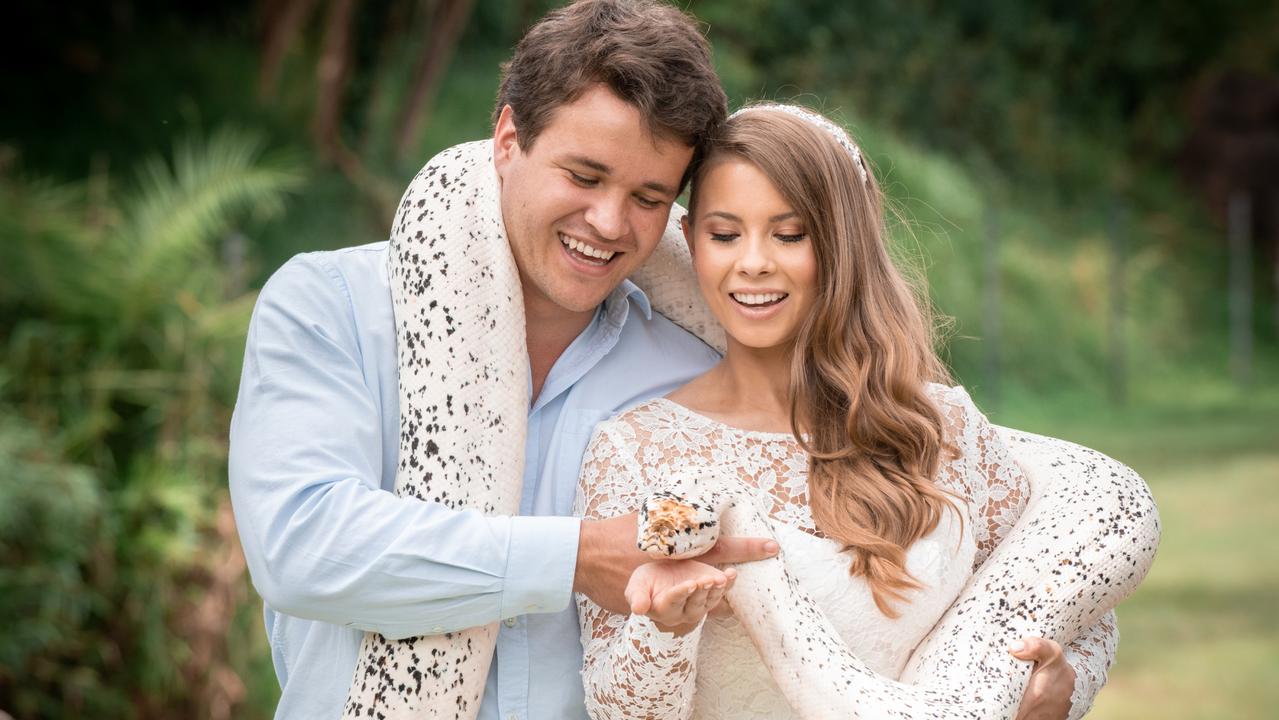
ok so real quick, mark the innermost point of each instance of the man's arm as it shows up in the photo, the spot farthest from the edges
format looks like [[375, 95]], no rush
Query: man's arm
[[322, 539]]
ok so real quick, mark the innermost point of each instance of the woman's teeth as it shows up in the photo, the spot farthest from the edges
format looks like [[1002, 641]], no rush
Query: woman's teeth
[[758, 299], [603, 256]]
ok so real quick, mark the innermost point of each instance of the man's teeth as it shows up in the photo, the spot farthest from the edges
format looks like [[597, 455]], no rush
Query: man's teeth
[[761, 299], [587, 250]]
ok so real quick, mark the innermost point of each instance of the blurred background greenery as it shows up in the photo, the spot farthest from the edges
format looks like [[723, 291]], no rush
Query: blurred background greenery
[[1092, 190]]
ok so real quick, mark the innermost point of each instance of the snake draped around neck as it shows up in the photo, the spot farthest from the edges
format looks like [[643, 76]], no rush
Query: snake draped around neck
[[463, 369]]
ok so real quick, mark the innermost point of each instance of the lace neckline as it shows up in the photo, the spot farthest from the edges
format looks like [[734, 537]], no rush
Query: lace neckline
[[704, 420]]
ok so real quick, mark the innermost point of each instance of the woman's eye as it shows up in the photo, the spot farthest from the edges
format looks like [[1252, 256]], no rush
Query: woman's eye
[[583, 180], [790, 238], [723, 237]]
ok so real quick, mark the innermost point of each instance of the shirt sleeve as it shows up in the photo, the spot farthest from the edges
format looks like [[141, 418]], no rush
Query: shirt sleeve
[[631, 670], [322, 538]]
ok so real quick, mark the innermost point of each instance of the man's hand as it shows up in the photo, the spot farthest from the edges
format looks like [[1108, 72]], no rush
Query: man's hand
[[1051, 682], [607, 557]]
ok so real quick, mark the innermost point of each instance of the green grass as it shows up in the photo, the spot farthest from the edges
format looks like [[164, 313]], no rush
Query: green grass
[[1200, 638]]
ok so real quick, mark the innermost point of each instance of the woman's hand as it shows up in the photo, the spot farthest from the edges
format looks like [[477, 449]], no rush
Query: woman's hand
[[1051, 682], [677, 594]]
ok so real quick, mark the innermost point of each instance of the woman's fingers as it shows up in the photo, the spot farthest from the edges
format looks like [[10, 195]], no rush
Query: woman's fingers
[[1040, 651], [678, 592], [671, 606]]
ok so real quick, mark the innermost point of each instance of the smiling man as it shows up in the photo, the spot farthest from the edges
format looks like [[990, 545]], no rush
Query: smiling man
[[603, 112]]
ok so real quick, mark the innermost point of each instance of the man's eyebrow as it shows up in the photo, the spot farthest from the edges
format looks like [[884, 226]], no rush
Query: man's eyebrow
[[595, 165], [603, 169]]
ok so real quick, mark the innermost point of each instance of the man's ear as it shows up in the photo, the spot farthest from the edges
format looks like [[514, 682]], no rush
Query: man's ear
[[687, 227], [506, 141]]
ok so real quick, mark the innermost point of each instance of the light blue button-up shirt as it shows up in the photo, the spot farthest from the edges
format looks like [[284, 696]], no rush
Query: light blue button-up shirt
[[334, 552]]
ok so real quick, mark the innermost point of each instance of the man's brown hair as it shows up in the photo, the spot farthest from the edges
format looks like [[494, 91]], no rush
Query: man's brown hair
[[649, 54]]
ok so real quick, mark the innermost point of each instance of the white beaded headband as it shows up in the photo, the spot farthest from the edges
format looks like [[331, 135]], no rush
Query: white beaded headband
[[834, 130]]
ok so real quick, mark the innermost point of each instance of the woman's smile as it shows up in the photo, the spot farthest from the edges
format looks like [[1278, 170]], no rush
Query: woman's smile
[[754, 260]]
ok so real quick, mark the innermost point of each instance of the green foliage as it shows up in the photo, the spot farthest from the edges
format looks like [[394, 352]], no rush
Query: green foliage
[[123, 329], [1023, 83], [50, 534]]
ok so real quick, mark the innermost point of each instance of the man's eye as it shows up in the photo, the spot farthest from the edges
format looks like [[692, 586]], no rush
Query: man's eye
[[647, 203], [791, 238], [583, 180]]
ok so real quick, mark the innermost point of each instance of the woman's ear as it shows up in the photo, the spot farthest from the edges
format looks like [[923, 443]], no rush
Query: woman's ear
[[687, 227]]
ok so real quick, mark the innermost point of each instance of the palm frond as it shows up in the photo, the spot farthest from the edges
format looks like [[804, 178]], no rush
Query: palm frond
[[180, 210]]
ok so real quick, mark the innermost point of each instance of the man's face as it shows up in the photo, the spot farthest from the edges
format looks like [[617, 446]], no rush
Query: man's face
[[587, 205]]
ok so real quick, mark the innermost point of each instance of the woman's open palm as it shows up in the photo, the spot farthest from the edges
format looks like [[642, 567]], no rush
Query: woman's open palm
[[677, 594]]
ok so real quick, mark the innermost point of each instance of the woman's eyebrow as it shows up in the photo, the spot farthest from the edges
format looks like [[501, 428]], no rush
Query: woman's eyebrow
[[734, 218], [720, 213]]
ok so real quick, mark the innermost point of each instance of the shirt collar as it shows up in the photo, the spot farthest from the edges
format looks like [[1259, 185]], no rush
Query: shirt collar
[[594, 342], [617, 304]]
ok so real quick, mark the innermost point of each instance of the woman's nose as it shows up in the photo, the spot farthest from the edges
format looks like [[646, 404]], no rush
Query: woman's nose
[[756, 257]]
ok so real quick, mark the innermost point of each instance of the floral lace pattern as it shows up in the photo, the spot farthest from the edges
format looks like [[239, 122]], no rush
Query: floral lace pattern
[[633, 670]]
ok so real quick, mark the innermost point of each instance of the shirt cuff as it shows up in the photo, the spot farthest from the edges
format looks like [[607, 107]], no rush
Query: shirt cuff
[[540, 565]]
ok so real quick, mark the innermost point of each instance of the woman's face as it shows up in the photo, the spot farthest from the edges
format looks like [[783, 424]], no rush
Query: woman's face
[[752, 254]]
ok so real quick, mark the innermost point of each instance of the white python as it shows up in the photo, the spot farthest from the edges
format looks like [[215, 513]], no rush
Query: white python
[[463, 368], [1083, 543], [463, 410]]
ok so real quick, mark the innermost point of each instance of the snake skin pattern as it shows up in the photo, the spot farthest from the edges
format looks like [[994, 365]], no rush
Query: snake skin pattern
[[463, 369], [1082, 545]]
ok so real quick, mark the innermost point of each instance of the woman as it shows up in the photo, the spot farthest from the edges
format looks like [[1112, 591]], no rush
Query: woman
[[884, 487]]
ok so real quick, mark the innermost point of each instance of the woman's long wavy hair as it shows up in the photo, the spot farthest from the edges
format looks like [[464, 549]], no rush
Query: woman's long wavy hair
[[863, 357]]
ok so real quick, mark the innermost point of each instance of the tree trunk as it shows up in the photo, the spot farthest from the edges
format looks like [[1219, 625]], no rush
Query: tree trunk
[[331, 76], [447, 21], [284, 19]]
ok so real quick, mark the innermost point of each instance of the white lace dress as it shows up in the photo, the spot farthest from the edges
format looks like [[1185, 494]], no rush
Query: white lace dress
[[633, 670]]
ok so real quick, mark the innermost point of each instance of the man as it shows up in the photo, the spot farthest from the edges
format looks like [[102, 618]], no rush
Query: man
[[601, 115]]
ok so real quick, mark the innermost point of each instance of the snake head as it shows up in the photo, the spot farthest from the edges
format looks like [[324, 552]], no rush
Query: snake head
[[673, 527]]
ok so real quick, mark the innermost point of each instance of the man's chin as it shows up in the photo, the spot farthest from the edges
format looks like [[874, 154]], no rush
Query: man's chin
[[582, 304], [585, 299]]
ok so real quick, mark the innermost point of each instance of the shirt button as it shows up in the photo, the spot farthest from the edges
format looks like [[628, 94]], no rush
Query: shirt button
[[511, 622], [512, 716], [437, 629]]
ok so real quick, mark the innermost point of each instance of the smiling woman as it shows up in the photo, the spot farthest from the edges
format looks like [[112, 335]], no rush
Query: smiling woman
[[753, 256], [829, 426]]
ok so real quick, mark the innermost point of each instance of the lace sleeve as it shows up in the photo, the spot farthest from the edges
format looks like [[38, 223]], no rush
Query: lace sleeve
[[986, 472], [1000, 491], [1091, 655], [630, 669]]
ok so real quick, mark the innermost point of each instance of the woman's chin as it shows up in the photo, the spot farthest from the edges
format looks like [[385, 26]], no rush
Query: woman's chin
[[762, 341]]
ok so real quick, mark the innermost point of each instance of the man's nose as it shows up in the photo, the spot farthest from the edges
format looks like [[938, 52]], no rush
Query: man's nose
[[607, 215]]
